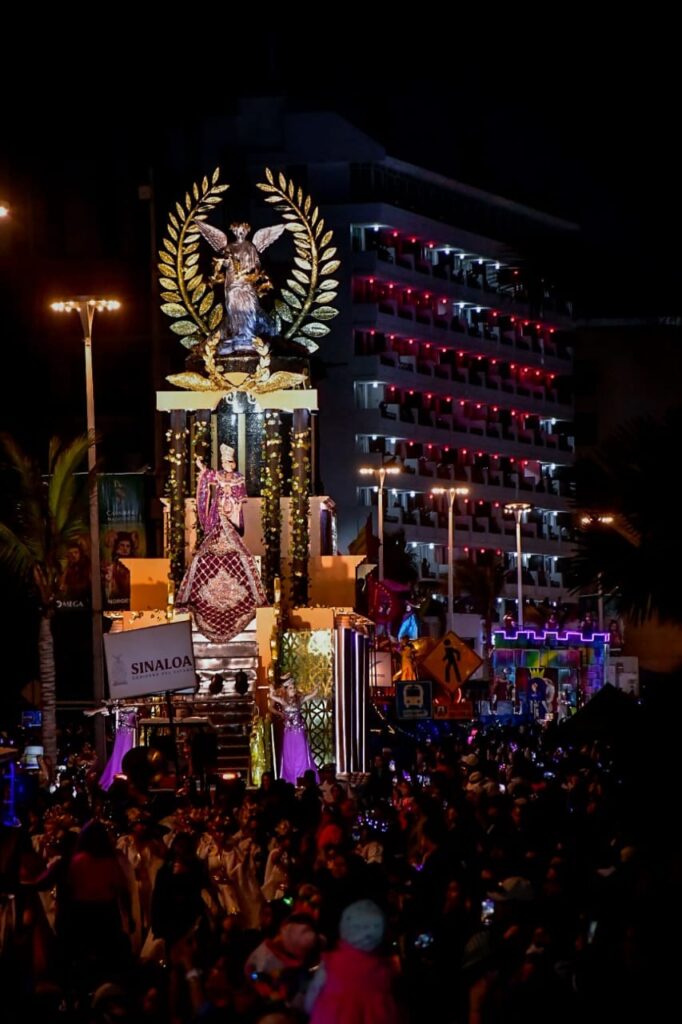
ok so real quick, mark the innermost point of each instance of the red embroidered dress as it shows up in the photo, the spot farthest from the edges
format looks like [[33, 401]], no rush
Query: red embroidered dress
[[221, 587]]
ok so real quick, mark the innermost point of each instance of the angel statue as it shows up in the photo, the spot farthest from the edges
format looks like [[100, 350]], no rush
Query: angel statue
[[245, 282]]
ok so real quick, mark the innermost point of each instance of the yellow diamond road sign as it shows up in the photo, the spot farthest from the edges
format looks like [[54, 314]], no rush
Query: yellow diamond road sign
[[452, 661]]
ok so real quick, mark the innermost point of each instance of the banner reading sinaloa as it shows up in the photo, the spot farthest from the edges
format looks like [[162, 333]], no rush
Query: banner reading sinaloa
[[151, 660]]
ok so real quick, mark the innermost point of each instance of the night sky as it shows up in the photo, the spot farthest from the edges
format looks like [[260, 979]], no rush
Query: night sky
[[575, 122]]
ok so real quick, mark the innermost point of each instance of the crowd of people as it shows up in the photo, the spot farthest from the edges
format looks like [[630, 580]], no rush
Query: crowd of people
[[490, 874]]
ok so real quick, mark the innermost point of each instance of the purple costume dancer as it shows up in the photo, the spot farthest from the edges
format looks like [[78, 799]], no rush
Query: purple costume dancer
[[221, 587], [296, 756], [126, 722]]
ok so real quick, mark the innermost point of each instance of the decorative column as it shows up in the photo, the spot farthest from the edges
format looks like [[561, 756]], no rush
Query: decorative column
[[351, 693], [177, 490], [199, 444], [271, 493], [300, 507]]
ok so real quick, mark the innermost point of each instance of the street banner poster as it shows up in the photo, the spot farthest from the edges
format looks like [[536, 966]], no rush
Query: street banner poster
[[74, 583], [122, 534], [151, 660], [413, 699]]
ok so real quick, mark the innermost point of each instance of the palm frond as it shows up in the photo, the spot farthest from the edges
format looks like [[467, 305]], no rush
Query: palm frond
[[629, 476], [28, 492], [15, 555], [63, 487], [44, 516]]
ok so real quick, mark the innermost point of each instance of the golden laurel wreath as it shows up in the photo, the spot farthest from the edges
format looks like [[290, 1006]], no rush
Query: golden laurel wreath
[[190, 299]]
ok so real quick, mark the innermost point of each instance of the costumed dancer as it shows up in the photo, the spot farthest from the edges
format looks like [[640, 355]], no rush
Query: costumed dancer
[[286, 702], [124, 740]]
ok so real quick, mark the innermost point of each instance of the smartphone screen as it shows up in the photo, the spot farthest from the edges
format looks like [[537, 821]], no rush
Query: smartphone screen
[[487, 911]]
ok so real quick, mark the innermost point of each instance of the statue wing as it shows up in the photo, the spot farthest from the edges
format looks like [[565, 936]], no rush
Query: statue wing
[[266, 236], [216, 238]]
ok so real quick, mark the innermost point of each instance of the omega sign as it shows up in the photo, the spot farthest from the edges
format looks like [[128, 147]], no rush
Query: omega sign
[[150, 660]]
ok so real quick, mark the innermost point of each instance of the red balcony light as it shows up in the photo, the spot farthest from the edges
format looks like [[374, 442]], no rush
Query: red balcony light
[[480, 454], [410, 341], [371, 280], [431, 245], [391, 287], [411, 391], [494, 313], [393, 387], [495, 408], [395, 234], [551, 330], [443, 350], [512, 319], [480, 501], [482, 550], [413, 240], [429, 395], [465, 451], [466, 550], [496, 505], [446, 448], [498, 551], [512, 366], [461, 355], [372, 332]]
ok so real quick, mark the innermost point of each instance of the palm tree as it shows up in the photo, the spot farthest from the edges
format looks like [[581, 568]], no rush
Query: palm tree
[[46, 516], [635, 560], [483, 583], [630, 477]]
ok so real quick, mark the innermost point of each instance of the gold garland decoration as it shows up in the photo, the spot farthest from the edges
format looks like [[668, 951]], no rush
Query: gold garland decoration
[[271, 493], [175, 485], [300, 512]]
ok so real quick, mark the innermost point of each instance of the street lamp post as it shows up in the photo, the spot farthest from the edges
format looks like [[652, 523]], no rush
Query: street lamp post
[[598, 519], [452, 493], [86, 306], [518, 508], [381, 472]]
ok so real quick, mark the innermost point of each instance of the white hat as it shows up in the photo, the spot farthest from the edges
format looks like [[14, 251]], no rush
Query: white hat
[[227, 453], [362, 925]]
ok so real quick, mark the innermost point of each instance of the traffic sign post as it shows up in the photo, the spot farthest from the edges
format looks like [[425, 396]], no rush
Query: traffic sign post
[[452, 662], [413, 699]]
